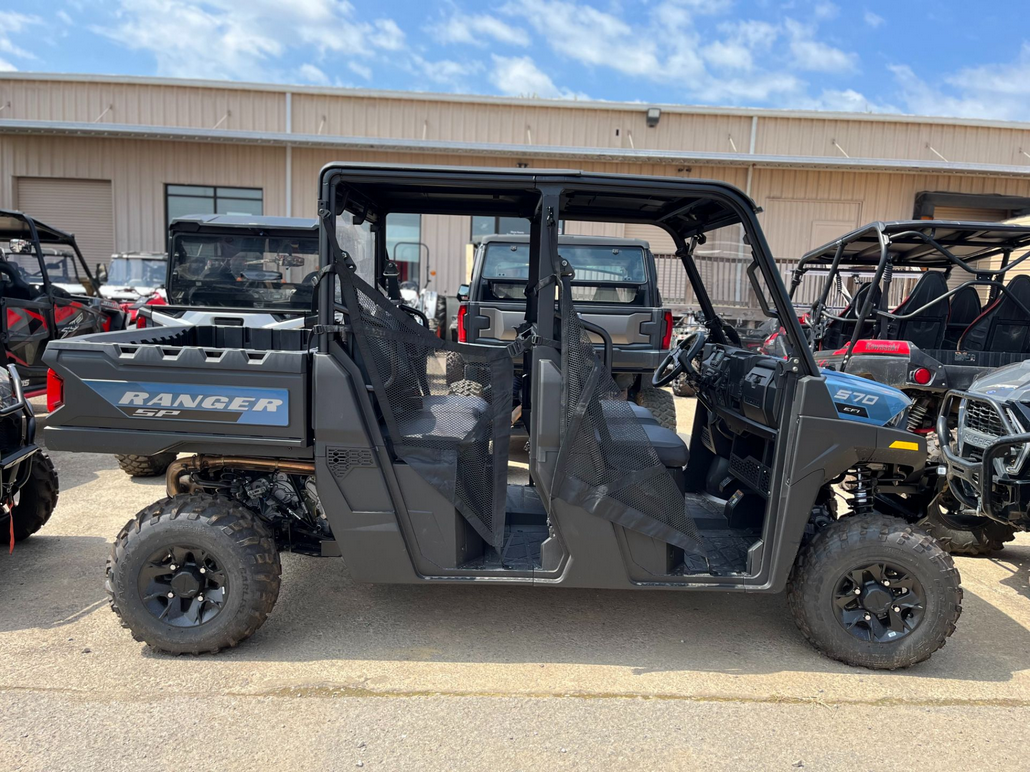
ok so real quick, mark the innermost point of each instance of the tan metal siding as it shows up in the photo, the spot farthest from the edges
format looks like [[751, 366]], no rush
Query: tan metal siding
[[866, 139], [148, 105], [415, 117], [81, 207], [139, 170], [513, 124], [793, 226]]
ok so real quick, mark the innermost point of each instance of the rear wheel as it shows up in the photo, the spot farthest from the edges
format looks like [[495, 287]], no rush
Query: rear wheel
[[661, 404], [145, 466], [192, 574], [37, 498], [875, 592]]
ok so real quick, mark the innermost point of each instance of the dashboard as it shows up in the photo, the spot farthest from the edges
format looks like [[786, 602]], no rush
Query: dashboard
[[736, 382]]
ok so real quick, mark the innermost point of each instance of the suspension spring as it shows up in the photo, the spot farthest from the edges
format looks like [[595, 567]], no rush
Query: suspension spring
[[917, 415], [861, 488]]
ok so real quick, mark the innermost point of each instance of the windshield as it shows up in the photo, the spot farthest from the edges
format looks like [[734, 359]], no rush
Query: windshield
[[603, 274], [141, 272], [62, 268], [244, 271]]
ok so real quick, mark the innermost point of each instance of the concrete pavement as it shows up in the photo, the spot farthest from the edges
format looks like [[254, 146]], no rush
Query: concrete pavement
[[346, 675]]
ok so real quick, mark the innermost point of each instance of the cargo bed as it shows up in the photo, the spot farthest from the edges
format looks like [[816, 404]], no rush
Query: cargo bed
[[203, 389]]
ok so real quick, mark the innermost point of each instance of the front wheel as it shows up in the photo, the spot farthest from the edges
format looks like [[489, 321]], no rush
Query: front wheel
[[194, 573], [975, 542], [875, 592]]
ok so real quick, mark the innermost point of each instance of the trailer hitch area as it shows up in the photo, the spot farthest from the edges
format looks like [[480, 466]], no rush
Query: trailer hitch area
[[177, 478]]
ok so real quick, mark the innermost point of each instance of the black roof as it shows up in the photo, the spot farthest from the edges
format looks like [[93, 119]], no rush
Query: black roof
[[18, 225], [685, 206], [915, 243]]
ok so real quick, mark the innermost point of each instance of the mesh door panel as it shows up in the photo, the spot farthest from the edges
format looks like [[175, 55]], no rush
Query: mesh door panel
[[454, 435], [608, 466]]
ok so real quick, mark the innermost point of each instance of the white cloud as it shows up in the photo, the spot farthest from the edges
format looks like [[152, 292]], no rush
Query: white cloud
[[227, 39], [1000, 91], [589, 36], [387, 35], [11, 23], [814, 55], [361, 70], [445, 72], [313, 74], [728, 55], [849, 100], [476, 29], [825, 11], [519, 76], [874, 20]]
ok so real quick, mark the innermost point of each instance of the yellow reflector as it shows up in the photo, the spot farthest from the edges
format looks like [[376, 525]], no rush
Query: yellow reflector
[[903, 445]]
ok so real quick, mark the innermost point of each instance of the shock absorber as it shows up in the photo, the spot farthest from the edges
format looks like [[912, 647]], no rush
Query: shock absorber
[[917, 415], [861, 488]]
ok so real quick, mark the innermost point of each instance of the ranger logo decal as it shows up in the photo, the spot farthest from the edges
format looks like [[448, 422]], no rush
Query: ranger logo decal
[[189, 402]]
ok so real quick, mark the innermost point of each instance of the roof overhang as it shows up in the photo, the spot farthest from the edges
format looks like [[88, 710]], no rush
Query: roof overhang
[[549, 153]]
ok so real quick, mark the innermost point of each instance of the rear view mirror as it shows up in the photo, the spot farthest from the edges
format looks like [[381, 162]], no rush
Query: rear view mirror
[[463, 292], [101, 274]]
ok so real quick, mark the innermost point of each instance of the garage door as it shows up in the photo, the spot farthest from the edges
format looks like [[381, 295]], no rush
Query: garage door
[[81, 207]]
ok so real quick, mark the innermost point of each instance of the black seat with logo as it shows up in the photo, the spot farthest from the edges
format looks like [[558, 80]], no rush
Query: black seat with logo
[[962, 311], [925, 329], [1004, 325]]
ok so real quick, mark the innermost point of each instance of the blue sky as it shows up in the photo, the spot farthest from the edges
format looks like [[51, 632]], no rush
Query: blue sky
[[967, 59]]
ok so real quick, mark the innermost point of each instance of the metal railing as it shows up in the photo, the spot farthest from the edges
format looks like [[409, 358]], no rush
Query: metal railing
[[723, 267]]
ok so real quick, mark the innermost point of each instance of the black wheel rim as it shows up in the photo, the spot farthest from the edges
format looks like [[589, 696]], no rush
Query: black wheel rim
[[183, 586], [879, 602]]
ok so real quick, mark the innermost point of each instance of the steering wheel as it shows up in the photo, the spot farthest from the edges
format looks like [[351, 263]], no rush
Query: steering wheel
[[681, 359]]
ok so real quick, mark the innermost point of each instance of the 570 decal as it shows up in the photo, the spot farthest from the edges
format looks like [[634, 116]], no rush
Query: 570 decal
[[851, 402]]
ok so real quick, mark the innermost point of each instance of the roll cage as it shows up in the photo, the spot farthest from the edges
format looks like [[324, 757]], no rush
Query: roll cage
[[18, 225], [686, 209], [970, 247]]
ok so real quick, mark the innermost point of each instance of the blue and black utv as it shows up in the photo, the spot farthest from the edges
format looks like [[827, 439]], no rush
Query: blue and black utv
[[348, 440], [925, 306]]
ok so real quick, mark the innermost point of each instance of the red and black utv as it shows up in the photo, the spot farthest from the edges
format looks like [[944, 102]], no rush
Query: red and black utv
[[41, 270], [925, 306]]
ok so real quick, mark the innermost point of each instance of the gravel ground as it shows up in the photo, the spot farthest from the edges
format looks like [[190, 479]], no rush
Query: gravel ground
[[347, 675]]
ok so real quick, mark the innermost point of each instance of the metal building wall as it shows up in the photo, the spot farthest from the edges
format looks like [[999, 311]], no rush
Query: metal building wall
[[138, 171], [339, 112]]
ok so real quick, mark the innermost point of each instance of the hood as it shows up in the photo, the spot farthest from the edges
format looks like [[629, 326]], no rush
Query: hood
[[1011, 383], [865, 401]]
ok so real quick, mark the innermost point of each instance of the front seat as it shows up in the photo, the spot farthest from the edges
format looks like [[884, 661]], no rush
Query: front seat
[[671, 449]]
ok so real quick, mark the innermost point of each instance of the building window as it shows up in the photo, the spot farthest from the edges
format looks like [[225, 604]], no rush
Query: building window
[[404, 245], [505, 226], [182, 200], [487, 226]]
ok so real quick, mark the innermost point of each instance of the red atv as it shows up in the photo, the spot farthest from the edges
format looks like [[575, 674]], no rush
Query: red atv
[[46, 291]]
